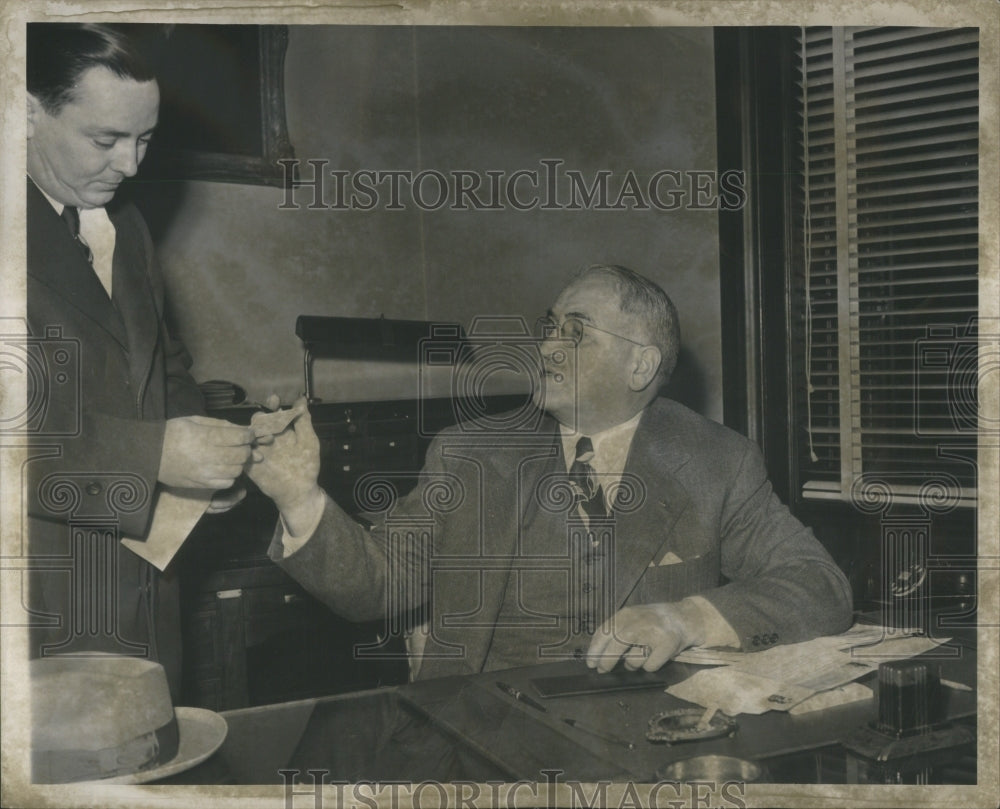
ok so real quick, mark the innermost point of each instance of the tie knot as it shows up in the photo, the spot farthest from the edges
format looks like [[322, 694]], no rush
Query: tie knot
[[584, 450], [71, 216]]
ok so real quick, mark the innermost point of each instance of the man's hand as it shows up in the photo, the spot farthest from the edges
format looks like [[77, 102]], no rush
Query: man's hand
[[286, 470], [227, 499], [645, 636], [203, 453]]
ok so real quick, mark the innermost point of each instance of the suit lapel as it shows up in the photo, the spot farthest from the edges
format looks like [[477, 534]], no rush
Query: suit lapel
[[542, 465], [641, 531], [55, 260], [511, 472], [135, 299]]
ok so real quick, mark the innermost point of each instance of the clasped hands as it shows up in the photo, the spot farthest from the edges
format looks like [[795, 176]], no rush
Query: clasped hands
[[206, 453]]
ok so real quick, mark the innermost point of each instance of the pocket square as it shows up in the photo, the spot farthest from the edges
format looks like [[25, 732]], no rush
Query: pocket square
[[669, 558]]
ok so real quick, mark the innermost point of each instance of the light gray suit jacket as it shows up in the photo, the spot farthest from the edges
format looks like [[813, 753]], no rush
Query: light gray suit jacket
[[700, 493]]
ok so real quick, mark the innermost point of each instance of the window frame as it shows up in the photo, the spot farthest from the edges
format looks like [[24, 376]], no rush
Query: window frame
[[758, 249]]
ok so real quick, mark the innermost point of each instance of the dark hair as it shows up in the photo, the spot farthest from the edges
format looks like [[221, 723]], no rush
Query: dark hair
[[59, 53], [639, 296]]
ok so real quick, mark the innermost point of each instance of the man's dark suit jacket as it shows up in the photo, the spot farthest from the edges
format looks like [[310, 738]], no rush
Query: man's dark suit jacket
[[702, 495], [98, 425]]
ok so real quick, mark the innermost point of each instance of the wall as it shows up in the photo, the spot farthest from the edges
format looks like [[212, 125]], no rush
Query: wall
[[239, 269]]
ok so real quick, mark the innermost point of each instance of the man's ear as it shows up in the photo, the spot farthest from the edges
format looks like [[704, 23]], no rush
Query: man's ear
[[646, 368]]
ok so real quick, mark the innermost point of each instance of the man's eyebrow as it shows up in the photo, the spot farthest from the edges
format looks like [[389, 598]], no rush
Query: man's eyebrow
[[115, 133], [580, 316]]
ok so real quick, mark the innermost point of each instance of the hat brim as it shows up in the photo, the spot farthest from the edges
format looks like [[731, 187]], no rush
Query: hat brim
[[201, 733]]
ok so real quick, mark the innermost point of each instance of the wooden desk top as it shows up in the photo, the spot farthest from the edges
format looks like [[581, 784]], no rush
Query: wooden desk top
[[466, 728]]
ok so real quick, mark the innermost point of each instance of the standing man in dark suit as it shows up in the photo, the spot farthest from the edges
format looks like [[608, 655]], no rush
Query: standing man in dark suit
[[622, 526], [122, 417]]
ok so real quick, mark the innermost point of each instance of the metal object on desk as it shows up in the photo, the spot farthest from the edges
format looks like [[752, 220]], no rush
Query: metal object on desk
[[520, 696], [909, 726], [685, 725], [711, 769]]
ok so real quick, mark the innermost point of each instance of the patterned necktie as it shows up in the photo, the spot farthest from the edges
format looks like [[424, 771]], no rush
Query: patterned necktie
[[587, 492], [71, 216]]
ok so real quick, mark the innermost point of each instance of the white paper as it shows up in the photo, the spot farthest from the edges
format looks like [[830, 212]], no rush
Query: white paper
[[784, 676], [266, 424], [734, 692], [175, 516]]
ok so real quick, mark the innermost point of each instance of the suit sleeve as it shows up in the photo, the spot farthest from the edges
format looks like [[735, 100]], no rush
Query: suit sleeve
[[365, 573], [783, 586]]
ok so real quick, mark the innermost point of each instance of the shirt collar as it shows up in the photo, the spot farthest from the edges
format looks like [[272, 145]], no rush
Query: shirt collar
[[58, 206], [611, 446]]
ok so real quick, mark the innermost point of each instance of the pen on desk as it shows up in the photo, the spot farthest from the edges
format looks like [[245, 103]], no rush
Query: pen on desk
[[956, 686], [600, 734], [520, 696]]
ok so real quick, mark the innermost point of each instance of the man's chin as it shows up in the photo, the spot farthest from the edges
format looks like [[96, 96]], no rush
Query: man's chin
[[555, 405], [98, 197]]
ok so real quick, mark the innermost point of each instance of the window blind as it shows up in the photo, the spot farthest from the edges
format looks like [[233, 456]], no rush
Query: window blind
[[888, 134]]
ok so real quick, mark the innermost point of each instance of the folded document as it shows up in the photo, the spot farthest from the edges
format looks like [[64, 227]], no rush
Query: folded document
[[785, 676]]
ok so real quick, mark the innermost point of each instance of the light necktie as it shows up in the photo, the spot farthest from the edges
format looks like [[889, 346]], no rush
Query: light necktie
[[71, 216]]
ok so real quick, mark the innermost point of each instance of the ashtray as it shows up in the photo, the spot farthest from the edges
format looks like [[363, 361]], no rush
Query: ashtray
[[717, 769], [682, 725]]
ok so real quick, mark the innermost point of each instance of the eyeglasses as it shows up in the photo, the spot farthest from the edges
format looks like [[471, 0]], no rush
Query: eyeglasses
[[572, 329]]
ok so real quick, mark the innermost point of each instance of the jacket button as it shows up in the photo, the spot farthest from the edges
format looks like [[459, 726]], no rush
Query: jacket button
[[93, 488], [756, 640]]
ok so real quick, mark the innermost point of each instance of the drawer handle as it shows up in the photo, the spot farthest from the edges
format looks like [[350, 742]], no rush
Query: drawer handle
[[229, 594]]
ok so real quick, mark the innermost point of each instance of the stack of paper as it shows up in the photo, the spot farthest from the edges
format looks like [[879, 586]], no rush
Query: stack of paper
[[785, 676]]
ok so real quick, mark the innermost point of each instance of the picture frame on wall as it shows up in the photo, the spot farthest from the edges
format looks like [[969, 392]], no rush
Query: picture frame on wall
[[222, 112]]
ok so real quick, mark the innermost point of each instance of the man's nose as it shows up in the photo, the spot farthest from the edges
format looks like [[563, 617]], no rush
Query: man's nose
[[126, 159]]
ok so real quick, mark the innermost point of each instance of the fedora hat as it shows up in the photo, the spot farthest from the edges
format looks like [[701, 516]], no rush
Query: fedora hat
[[110, 718]]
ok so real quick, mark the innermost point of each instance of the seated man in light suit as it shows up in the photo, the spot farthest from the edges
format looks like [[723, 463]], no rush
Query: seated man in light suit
[[672, 538]]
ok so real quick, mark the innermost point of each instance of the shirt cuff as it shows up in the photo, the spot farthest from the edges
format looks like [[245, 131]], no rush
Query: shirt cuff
[[308, 519], [718, 631]]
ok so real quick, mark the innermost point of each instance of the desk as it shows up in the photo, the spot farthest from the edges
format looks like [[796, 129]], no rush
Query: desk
[[465, 728]]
